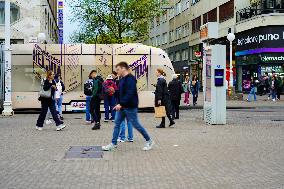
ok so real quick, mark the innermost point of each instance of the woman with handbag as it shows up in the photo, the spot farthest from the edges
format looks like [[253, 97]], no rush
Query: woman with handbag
[[46, 96], [162, 97]]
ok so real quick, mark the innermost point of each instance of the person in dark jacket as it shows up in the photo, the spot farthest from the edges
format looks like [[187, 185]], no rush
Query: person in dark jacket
[[194, 88], [49, 84], [127, 107], [252, 89], [175, 90], [162, 97], [95, 103]]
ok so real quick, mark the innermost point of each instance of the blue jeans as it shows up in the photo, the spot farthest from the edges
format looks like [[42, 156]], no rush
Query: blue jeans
[[122, 130], [273, 93], [132, 116], [88, 102], [58, 104], [252, 92], [109, 102]]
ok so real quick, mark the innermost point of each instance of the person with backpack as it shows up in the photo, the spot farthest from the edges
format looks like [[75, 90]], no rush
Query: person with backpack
[[96, 100], [88, 91], [46, 97], [60, 88], [109, 89]]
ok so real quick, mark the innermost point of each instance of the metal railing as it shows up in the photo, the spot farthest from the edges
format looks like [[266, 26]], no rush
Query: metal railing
[[251, 12]]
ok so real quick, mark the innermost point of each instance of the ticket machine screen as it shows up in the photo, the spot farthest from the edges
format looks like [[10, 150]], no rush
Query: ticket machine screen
[[219, 77]]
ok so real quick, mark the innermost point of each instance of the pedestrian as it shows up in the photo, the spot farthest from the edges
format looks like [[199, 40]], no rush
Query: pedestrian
[[60, 88], [127, 107], [96, 99], [175, 90], [186, 89], [109, 89], [279, 87], [162, 97], [252, 90], [194, 88], [48, 88], [273, 88], [88, 91]]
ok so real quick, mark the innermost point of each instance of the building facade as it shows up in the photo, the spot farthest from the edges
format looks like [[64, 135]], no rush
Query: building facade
[[28, 19], [257, 24]]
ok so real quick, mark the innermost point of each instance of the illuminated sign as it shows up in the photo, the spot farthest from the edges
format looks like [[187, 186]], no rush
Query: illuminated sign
[[60, 21]]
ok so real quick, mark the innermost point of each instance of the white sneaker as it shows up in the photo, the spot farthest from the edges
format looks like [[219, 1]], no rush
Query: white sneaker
[[120, 140], [149, 145], [88, 122], [109, 147], [60, 127], [39, 128], [273, 99], [48, 122]]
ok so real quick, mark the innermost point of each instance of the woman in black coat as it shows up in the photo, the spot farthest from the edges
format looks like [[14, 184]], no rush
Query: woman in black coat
[[162, 97]]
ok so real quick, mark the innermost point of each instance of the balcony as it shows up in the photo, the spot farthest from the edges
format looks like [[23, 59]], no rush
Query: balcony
[[253, 11]]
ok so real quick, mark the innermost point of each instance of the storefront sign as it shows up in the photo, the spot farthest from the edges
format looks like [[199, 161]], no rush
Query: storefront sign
[[209, 31], [263, 37]]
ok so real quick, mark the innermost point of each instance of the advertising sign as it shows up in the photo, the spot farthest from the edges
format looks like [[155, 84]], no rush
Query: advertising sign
[[60, 21], [263, 37], [209, 31]]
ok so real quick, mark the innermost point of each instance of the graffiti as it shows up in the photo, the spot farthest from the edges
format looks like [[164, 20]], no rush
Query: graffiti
[[140, 69], [43, 61]]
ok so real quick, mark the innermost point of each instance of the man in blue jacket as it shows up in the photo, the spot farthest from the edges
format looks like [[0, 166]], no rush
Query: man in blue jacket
[[127, 106]]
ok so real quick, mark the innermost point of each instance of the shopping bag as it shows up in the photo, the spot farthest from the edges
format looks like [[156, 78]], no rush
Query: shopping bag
[[160, 112]]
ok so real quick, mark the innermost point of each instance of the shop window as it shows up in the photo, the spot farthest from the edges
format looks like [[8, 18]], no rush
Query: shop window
[[210, 16], [196, 23], [14, 11], [226, 11], [178, 32]]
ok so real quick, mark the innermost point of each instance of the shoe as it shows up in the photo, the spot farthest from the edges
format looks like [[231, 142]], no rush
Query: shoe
[[273, 100], [160, 126], [88, 122], [172, 123], [149, 145], [112, 119], [106, 120], [176, 117], [97, 126], [129, 140], [120, 140], [48, 122], [61, 118], [39, 128], [60, 127], [109, 147], [268, 98]]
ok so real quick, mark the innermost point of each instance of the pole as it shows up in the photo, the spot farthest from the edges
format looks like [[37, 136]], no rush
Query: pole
[[8, 111], [231, 67]]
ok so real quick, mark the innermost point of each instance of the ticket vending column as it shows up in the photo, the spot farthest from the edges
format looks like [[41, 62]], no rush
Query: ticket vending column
[[215, 87]]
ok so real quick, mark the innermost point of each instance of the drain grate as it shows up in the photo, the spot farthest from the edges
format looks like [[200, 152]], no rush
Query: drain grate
[[84, 152]]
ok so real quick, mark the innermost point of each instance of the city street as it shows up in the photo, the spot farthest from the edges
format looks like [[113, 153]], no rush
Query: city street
[[246, 153]]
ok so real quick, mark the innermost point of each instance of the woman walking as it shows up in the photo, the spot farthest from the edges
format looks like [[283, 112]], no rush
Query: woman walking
[[60, 88], [194, 87], [47, 101], [162, 97], [252, 90], [186, 89], [109, 89]]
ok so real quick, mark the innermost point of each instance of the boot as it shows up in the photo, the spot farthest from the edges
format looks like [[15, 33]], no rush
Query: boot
[[171, 121], [162, 125], [97, 126]]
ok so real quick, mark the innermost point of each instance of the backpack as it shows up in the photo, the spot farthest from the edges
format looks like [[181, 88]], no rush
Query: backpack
[[109, 88], [95, 88], [88, 88]]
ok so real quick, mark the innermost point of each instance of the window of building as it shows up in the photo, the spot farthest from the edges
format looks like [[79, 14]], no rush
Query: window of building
[[185, 54], [196, 23], [226, 11], [171, 56], [172, 36], [171, 13], [178, 8], [186, 30], [164, 17], [179, 32], [165, 38], [193, 2], [14, 11], [178, 56], [210, 16]]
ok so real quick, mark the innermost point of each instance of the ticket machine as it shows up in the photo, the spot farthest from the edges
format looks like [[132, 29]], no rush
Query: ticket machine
[[214, 84]]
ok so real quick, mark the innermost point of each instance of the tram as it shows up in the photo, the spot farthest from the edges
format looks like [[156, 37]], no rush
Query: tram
[[74, 62]]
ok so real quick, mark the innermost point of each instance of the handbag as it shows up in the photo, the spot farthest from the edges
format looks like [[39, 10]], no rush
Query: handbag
[[42, 93], [160, 112]]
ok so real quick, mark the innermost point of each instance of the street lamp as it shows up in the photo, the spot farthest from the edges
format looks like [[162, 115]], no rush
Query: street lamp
[[8, 110], [231, 37]]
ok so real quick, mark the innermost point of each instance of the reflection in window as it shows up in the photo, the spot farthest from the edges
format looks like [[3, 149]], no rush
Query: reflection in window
[[15, 12]]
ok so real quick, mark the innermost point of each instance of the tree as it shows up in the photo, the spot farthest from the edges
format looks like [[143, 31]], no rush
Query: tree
[[113, 21]]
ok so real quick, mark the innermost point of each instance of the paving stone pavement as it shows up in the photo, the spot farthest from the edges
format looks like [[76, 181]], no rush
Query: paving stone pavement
[[246, 153]]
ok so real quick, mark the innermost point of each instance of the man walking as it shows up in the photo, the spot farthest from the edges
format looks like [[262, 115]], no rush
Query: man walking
[[127, 107], [175, 90]]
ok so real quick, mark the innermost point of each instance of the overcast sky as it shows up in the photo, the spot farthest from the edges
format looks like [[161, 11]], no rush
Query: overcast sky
[[69, 27]]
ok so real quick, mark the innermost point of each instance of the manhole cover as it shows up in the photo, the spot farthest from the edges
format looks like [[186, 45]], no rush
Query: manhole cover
[[84, 152]]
